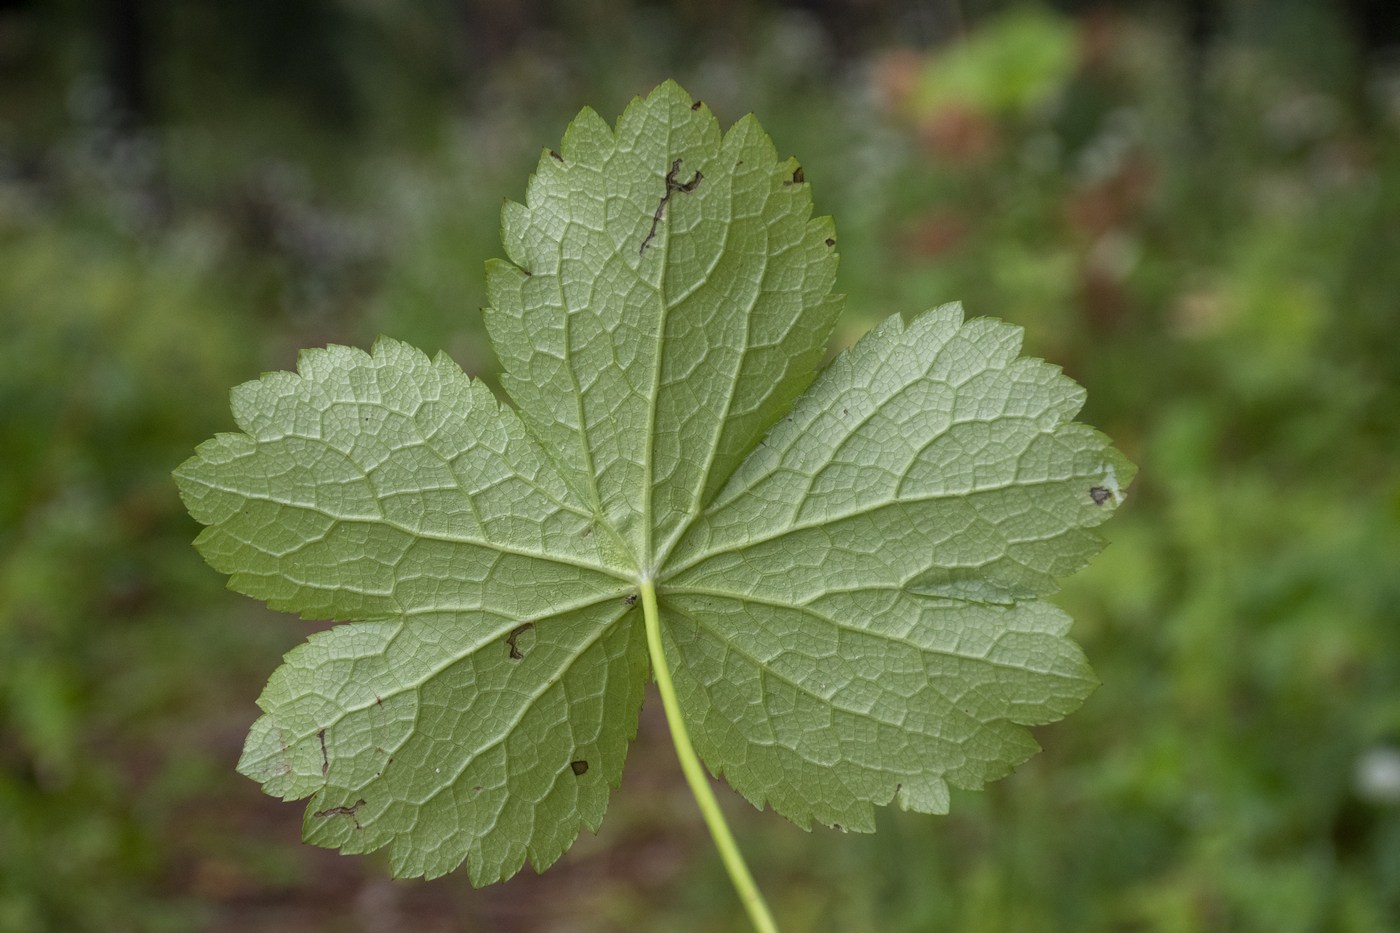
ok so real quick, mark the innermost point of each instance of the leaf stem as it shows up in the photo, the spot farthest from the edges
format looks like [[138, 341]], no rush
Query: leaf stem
[[695, 774]]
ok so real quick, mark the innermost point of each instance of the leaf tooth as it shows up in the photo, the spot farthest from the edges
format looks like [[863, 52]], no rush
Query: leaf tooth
[[587, 135]]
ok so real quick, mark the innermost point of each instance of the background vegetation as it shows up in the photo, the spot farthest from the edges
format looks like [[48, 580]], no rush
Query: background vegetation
[[1195, 208]]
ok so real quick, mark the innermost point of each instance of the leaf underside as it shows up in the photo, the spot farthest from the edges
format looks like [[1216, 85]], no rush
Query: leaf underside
[[850, 570]]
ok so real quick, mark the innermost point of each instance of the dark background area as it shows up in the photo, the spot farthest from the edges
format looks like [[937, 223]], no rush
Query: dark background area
[[1193, 207]]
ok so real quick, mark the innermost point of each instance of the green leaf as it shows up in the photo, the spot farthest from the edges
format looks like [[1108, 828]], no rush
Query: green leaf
[[667, 297], [391, 488], [849, 578], [854, 614]]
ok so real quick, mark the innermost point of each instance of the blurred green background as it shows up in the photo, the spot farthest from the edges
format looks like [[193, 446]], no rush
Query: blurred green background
[[1194, 207]]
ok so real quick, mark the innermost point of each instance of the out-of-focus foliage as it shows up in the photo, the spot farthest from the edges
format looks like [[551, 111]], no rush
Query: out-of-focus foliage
[[1011, 67], [1204, 230], [112, 353]]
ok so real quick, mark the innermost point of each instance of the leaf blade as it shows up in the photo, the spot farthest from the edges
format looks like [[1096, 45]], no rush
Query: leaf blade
[[713, 312], [364, 483], [929, 480], [859, 718], [394, 491], [850, 570], [431, 739]]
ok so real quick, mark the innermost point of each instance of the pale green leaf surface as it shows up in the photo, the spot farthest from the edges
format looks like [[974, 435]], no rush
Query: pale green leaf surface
[[390, 487], [651, 372], [850, 578], [854, 613]]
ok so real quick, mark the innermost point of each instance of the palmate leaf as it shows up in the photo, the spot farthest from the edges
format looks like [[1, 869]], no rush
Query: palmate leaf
[[849, 573]]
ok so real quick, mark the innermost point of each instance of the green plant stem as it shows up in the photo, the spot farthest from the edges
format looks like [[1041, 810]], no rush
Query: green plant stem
[[695, 774]]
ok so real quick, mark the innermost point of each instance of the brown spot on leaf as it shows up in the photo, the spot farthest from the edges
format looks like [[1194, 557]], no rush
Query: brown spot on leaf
[[830, 241], [554, 153], [798, 177], [1099, 494], [697, 105], [579, 767], [512, 640], [630, 600], [325, 758]]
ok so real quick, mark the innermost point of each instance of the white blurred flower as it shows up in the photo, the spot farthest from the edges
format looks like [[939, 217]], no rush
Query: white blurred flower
[[1377, 775]]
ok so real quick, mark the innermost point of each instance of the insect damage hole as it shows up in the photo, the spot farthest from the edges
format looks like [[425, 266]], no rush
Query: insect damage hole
[[579, 767], [340, 811], [672, 186], [520, 640]]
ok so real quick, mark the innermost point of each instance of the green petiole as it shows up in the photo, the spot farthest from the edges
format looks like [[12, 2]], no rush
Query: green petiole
[[695, 775]]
